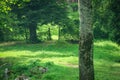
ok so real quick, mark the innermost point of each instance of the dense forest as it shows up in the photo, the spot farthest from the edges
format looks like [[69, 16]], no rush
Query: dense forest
[[39, 20], [38, 37]]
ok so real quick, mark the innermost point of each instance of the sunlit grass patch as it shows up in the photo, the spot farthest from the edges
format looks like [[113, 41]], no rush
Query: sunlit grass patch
[[106, 50], [106, 60], [61, 59]]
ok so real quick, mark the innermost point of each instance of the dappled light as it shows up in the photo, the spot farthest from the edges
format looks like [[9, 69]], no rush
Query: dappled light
[[59, 40], [60, 59]]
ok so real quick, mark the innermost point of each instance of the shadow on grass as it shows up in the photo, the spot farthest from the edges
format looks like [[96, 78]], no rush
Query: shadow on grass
[[23, 63], [51, 47], [107, 51], [107, 60], [107, 72], [54, 72], [9, 63]]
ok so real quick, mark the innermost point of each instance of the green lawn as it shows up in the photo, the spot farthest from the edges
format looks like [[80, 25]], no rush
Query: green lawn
[[60, 59]]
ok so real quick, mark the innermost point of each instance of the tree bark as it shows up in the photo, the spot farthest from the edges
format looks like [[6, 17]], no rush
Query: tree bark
[[86, 68], [1, 35], [33, 34], [59, 33], [26, 34], [49, 34]]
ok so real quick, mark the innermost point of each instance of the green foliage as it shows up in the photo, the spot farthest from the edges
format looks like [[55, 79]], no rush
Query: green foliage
[[70, 29], [106, 19], [7, 26], [16, 17], [101, 19], [39, 11], [42, 31], [4, 6], [100, 32], [115, 24]]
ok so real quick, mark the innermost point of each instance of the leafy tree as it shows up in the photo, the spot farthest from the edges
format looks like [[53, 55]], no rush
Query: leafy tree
[[86, 41], [39, 11], [106, 19], [5, 20], [101, 19], [115, 22], [70, 29]]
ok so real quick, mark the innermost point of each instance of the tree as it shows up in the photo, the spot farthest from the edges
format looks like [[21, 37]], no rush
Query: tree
[[106, 19], [86, 41], [115, 21], [5, 20], [70, 29], [39, 11], [101, 19]]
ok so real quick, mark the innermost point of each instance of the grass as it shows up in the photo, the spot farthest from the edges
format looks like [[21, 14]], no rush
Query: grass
[[107, 60], [60, 58]]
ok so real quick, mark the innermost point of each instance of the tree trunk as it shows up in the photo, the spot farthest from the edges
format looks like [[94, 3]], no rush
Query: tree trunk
[[49, 34], [26, 34], [33, 34], [1, 35], [59, 32], [86, 68]]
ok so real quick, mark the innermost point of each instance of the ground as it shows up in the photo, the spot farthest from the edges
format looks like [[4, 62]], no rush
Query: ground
[[59, 58]]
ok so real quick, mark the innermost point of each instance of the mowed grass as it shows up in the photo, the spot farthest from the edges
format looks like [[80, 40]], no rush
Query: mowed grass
[[60, 59]]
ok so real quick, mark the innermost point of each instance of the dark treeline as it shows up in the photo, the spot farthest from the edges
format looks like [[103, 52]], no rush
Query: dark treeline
[[106, 19], [24, 19]]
